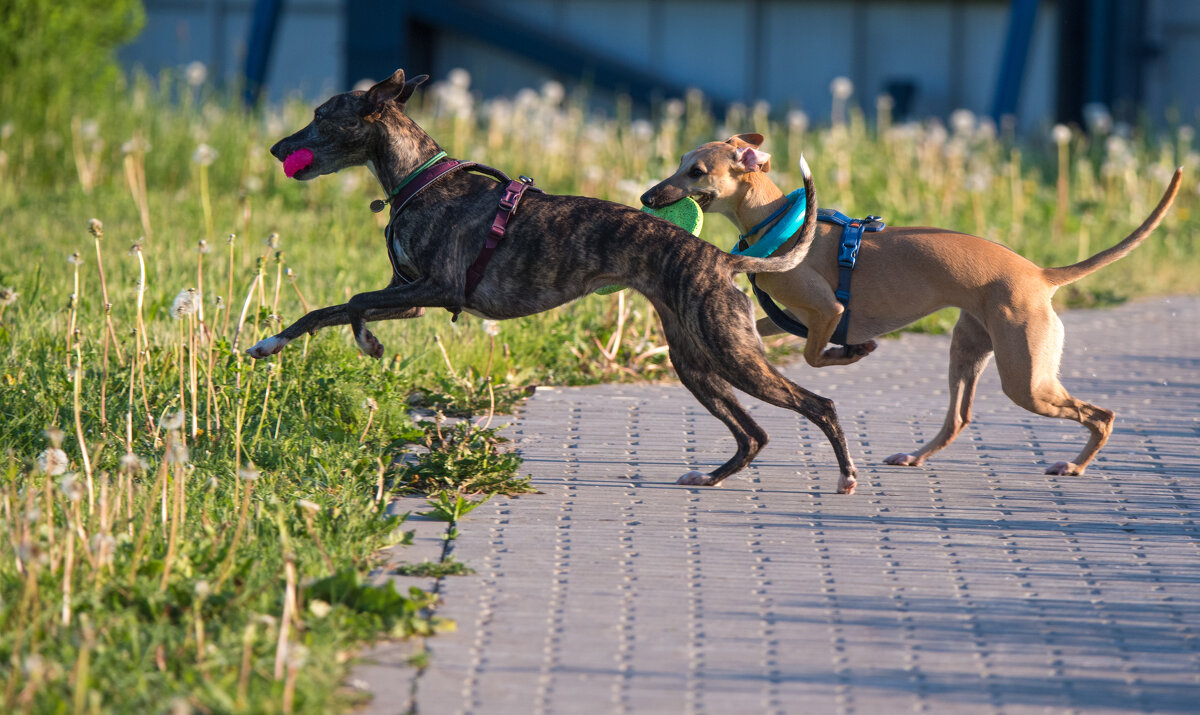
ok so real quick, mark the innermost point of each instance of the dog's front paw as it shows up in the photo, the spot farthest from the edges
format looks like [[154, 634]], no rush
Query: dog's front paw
[[696, 479], [266, 347], [1064, 469], [903, 460], [369, 344]]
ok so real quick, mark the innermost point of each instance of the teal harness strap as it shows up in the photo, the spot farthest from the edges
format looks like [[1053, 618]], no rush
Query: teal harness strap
[[778, 234]]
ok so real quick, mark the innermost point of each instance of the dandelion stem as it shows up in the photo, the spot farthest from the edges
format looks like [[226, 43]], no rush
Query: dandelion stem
[[87, 462]]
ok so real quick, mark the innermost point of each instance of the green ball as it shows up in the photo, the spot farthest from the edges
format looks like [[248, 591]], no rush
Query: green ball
[[685, 213]]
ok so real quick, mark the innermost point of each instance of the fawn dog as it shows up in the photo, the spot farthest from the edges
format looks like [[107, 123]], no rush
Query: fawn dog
[[551, 250], [905, 273]]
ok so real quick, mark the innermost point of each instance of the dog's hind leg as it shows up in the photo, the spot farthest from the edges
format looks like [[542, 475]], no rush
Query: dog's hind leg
[[1027, 357], [758, 379], [970, 350], [717, 397]]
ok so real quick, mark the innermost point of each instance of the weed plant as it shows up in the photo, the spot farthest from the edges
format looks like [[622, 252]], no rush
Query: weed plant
[[183, 526]]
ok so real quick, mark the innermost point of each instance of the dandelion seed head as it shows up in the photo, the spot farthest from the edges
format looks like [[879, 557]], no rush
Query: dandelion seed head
[[89, 129], [8, 296], [96, 227], [962, 122], [204, 155], [641, 129], [178, 452], [103, 546], [272, 240], [797, 120], [70, 486], [370, 404], [231, 238], [553, 93], [33, 514], [1186, 133], [202, 589], [34, 666], [196, 73], [1097, 118], [202, 246], [841, 87], [139, 145], [1061, 134], [298, 655], [132, 464], [53, 461], [319, 608], [249, 472], [75, 259], [459, 78], [172, 420], [673, 108], [54, 435], [308, 506], [253, 184], [184, 303]]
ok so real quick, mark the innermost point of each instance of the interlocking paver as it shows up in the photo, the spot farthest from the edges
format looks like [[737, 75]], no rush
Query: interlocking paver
[[973, 584]]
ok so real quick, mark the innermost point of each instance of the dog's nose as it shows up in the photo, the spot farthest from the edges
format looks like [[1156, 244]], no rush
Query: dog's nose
[[277, 150], [649, 197]]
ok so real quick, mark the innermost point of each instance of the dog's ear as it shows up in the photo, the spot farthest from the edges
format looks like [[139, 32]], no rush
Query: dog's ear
[[386, 91], [752, 159], [754, 140], [409, 87]]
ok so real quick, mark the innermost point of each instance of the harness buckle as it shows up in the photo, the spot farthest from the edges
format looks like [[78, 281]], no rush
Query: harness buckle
[[848, 254]]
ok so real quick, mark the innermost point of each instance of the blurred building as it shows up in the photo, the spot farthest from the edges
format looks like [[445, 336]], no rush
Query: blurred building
[[1042, 61]]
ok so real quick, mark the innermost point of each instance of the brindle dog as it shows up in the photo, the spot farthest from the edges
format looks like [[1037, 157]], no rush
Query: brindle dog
[[557, 249]]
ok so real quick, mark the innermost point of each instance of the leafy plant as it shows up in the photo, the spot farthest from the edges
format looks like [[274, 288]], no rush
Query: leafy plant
[[462, 459], [451, 506]]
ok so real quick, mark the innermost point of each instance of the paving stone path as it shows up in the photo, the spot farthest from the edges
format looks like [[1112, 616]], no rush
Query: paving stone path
[[975, 584]]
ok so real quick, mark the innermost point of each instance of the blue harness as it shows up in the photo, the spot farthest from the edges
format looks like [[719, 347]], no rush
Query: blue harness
[[852, 231]]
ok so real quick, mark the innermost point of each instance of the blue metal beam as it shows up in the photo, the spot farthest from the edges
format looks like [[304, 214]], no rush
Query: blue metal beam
[[1022, 16], [258, 47]]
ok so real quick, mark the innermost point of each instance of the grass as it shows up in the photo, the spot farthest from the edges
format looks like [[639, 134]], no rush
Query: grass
[[183, 525]]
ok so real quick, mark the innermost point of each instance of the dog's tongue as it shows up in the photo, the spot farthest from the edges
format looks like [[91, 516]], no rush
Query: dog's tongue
[[296, 161]]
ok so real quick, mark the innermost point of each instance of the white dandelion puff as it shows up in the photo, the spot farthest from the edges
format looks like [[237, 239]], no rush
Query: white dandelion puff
[[71, 486], [171, 421], [184, 303], [204, 155], [53, 461]]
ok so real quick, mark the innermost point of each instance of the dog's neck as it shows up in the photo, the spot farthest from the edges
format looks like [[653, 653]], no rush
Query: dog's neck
[[760, 198], [401, 151]]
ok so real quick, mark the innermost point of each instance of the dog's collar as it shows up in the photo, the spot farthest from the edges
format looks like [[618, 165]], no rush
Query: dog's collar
[[378, 204], [791, 221]]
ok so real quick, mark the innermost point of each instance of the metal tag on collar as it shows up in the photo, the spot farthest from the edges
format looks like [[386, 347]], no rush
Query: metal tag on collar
[[378, 205]]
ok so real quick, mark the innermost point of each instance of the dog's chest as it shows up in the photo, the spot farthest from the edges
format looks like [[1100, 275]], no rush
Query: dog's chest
[[402, 264]]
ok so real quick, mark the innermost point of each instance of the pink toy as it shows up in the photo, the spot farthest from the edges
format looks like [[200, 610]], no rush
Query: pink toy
[[296, 161]]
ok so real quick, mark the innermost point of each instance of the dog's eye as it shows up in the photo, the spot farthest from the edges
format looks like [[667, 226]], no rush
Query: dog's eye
[[696, 172]]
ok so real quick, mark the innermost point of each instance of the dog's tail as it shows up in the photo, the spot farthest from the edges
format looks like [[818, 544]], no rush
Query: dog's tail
[[791, 259], [1069, 274]]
